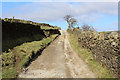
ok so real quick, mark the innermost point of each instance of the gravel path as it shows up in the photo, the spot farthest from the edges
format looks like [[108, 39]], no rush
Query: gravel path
[[58, 60]]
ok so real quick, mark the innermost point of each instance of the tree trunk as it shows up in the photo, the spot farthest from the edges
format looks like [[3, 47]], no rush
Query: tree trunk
[[68, 24]]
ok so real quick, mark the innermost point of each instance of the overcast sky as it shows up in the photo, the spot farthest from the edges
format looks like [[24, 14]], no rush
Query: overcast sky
[[101, 15]]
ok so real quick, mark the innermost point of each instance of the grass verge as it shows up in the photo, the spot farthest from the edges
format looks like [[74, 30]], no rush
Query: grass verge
[[86, 55], [9, 43], [15, 60]]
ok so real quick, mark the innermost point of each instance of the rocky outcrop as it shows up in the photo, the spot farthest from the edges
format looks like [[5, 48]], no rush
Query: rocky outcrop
[[105, 47]]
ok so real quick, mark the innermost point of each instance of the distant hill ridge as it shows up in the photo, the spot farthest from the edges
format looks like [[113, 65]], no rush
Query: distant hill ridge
[[29, 22]]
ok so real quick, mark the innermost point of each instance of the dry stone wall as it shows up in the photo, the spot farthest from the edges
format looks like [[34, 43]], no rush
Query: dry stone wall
[[105, 47]]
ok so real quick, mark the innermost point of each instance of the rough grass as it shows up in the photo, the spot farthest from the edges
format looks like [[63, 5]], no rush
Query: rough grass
[[25, 53], [9, 72], [46, 28], [10, 42], [86, 55]]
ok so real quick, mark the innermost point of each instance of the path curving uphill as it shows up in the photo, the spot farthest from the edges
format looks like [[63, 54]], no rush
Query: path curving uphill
[[58, 60]]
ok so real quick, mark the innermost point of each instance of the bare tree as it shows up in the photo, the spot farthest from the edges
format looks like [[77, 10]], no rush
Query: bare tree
[[86, 27], [67, 18], [71, 21]]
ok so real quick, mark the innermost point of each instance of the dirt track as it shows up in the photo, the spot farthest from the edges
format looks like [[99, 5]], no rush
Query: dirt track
[[58, 60]]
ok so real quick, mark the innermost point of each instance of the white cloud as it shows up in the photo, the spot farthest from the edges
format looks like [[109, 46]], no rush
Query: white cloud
[[54, 11], [112, 29]]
